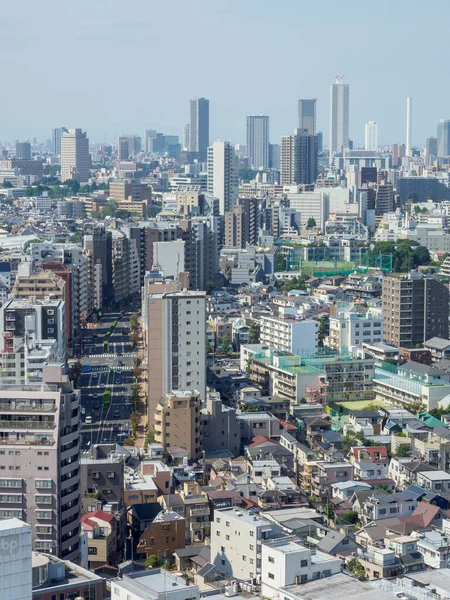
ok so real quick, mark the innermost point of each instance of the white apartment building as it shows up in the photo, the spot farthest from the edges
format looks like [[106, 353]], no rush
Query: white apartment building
[[290, 335], [153, 584], [315, 205], [349, 329], [223, 176], [176, 341], [371, 136], [15, 560], [434, 547], [287, 562], [75, 157], [39, 460], [236, 537], [23, 363]]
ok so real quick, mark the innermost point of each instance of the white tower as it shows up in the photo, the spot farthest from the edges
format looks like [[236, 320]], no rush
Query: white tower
[[339, 116], [371, 136], [408, 125]]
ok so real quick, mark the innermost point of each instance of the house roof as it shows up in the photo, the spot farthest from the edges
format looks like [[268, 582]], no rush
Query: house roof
[[426, 513], [330, 541], [146, 512], [260, 439], [437, 343], [371, 451], [88, 520]]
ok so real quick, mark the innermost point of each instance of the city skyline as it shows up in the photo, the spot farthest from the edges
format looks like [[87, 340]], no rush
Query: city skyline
[[165, 111]]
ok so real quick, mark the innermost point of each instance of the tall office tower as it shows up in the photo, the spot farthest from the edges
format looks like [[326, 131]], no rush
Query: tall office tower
[[241, 224], [384, 201], [274, 156], [339, 116], [298, 160], [16, 568], [258, 142], [223, 175], [431, 149], [371, 136], [75, 158], [176, 334], [415, 309], [187, 131], [443, 138], [408, 126], [149, 136], [307, 115], [40, 447], [398, 152], [98, 249], [23, 151], [199, 126], [128, 145], [56, 140]]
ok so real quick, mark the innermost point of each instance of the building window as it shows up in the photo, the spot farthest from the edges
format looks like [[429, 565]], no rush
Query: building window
[[92, 550], [303, 563], [271, 575], [271, 559]]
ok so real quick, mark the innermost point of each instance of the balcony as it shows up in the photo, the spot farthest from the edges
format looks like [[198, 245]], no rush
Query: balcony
[[28, 424], [27, 441], [200, 512], [11, 407]]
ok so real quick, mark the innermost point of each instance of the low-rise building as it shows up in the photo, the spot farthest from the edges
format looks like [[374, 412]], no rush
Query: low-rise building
[[434, 546], [100, 530], [236, 537], [155, 584], [192, 503]]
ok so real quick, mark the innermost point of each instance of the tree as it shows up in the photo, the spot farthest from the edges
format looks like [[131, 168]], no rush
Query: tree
[[152, 562], [75, 372], [281, 262], [403, 450], [134, 338], [348, 517], [322, 331], [225, 344], [209, 287], [110, 209], [134, 322], [253, 334], [73, 186], [311, 222], [355, 567], [247, 175]]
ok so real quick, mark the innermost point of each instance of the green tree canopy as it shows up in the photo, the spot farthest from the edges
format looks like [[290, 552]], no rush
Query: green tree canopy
[[311, 222]]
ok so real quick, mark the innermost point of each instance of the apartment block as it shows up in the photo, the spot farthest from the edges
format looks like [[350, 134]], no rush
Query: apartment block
[[176, 344], [178, 423], [415, 309], [241, 224], [349, 329], [236, 541], [39, 460], [192, 503], [290, 335], [15, 564]]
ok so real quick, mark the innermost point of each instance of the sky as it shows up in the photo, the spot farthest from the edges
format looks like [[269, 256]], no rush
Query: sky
[[112, 67]]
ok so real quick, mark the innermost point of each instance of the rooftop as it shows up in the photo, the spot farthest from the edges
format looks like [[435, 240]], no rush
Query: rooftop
[[338, 587]]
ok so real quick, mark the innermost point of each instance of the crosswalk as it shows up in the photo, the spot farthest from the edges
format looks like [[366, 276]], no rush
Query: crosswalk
[[104, 368], [129, 355]]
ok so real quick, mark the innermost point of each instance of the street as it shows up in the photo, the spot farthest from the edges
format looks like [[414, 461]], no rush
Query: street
[[100, 372]]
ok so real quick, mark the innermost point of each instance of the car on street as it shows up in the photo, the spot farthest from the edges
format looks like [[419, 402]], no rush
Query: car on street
[[115, 428], [116, 414]]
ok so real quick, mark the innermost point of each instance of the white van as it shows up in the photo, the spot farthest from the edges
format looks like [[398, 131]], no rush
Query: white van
[[88, 419]]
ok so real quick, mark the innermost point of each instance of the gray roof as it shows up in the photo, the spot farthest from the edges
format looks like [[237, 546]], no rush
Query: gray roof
[[437, 343], [338, 587], [330, 541], [416, 367], [208, 568]]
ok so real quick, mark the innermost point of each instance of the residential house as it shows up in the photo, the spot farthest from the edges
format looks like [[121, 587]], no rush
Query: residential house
[[380, 505], [192, 503], [100, 529], [434, 546]]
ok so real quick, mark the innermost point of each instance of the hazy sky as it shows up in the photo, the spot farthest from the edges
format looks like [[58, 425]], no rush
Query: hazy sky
[[114, 67]]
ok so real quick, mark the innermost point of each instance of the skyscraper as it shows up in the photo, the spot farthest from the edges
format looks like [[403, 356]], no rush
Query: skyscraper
[[23, 150], [258, 142], [223, 176], [432, 149], [339, 115], [443, 138], [149, 136], [56, 140], [408, 126], [371, 136], [298, 158], [199, 126], [75, 158], [307, 115]]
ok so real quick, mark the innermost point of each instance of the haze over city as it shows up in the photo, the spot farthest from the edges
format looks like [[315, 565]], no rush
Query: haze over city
[[109, 67]]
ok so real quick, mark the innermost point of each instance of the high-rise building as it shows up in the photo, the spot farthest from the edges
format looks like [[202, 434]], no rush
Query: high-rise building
[[307, 115], [274, 157], [176, 340], [187, 131], [371, 136], [298, 160], [98, 249], [56, 140], [384, 201], [223, 175], [15, 566], [23, 151], [443, 138], [258, 142], [415, 309], [432, 149], [40, 447], [398, 152], [149, 136], [75, 158], [199, 126], [128, 145], [339, 116], [241, 224]]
